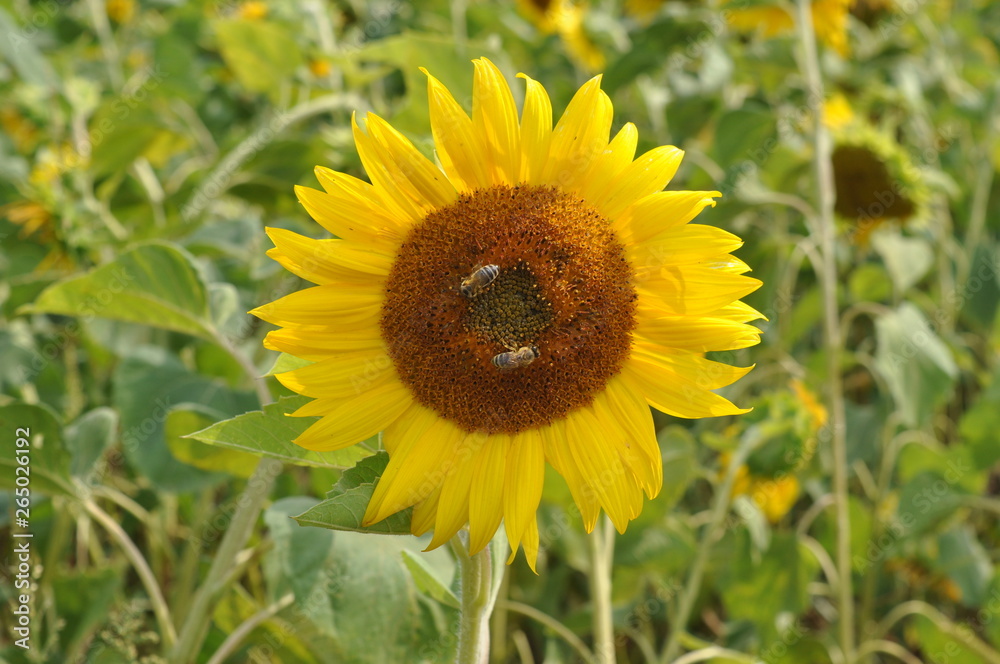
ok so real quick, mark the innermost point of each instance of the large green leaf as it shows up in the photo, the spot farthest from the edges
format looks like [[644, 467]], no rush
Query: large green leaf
[[979, 425], [88, 437], [429, 580], [356, 586], [187, 418], [918, 368], [270, 433], [261, 54], [346, 503], [906, 258], [746, 134], [147, 386], [154, 284], [761, 589], [47, 459]]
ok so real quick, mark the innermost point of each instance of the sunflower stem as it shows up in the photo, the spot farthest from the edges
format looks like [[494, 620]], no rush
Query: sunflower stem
[[713, 531], [601, 543], [831, 323], [476, 574]]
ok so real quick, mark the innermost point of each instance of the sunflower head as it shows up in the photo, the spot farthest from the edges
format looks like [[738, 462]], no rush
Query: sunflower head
[[523, 301], [875, 180], [773, 19]]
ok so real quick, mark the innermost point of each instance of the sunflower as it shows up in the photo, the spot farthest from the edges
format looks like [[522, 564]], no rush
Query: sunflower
[[522, 303], [565, 18], [875, 180], [829, 21]]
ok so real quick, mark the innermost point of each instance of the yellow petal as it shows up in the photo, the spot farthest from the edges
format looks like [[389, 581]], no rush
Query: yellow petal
[[424, 513], [460, 149], [357, 304], [557, 453], [422, 453], [415, 177], [629, 425], [660, 212], [349, 209], [609, 164], [692, 290], [523, 484], [646, 175], [674, 394], [697, 334], [357, 419], [536, 131], [494, 116], [580, 136], [486, 492], [313, 260], [692, 243], [530, 544], [453, 506], [602, 471], [318, 342], [694, 367], [390, 185], [739, 312], [342, 376]]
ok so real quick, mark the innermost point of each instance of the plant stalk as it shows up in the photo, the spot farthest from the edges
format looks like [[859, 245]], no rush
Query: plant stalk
[[831, 323], [476, 574], [601, 543]]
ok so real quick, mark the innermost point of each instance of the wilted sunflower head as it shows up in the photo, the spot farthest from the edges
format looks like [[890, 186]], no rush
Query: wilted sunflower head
[[875, 180], [523, 301]]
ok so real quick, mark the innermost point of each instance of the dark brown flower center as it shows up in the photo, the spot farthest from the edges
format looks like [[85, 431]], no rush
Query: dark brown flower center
[[562, 284], [865, 189]]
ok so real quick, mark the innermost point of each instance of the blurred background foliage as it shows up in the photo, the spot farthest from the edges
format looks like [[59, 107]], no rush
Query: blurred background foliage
[[145, 144]]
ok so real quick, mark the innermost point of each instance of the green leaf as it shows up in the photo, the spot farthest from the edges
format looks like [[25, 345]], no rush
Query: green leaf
[[83, 601], [979, 296], [906, 258], [925, 501], [427, 579], [270, 433], [147, 386], [979, 425], [759, 589], [746, 134], [47, 460], [154, 284], [869, 283], [19, 49], [88, 437], [346, 503], [187, 418], [966, 562], [918, 368], [677, 447], [939, 646], [286, 362], [262, 55], [356, 586]]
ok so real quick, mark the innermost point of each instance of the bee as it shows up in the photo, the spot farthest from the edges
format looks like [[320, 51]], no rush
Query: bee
[[481, 277], [515, 359]]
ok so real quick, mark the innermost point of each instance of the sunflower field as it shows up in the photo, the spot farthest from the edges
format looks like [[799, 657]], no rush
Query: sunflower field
[[507, 331]]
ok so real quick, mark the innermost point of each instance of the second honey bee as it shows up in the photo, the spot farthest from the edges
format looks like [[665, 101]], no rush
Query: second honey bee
[[515, 359], [480, 278]]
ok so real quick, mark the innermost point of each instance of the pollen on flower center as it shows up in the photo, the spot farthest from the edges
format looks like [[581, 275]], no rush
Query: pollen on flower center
[[511, 311], [563, 284]]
